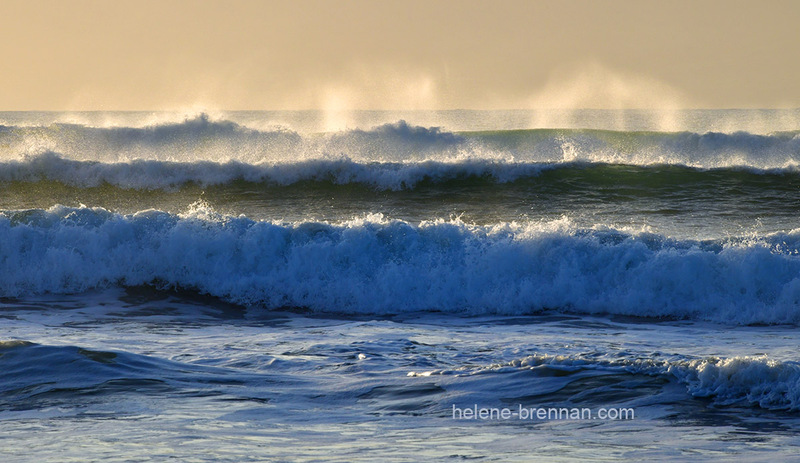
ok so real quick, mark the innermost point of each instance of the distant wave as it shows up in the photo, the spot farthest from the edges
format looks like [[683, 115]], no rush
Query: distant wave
[[373, 266], [202, 139], [167, 175], [193, 139], [150, 174]]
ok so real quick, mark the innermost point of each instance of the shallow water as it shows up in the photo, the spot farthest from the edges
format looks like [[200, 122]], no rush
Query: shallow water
[[144, 374]]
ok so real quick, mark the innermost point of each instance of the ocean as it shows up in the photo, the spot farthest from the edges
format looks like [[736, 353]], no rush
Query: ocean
[[400, 286]]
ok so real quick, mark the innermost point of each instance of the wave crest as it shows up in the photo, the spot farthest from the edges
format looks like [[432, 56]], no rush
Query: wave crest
[[168, 175], [203, 139]]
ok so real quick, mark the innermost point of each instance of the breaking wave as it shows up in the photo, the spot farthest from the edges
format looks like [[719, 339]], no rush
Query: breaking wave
[[376, 266], [202, 139]]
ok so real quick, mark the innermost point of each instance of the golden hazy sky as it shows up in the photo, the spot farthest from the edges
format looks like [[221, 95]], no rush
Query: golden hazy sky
[[237, 54]]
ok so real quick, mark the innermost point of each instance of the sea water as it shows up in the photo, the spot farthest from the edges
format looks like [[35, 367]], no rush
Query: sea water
[[400, 286]]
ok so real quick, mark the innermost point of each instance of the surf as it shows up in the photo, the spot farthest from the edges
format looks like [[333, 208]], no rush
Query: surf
[[372, 265]]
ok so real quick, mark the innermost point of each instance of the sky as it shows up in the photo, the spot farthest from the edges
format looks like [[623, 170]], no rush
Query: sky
[[356, 54]]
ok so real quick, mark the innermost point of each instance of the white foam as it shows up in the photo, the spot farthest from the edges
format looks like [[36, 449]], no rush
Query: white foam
[[375, 266], [149, 174], [747, 381]]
